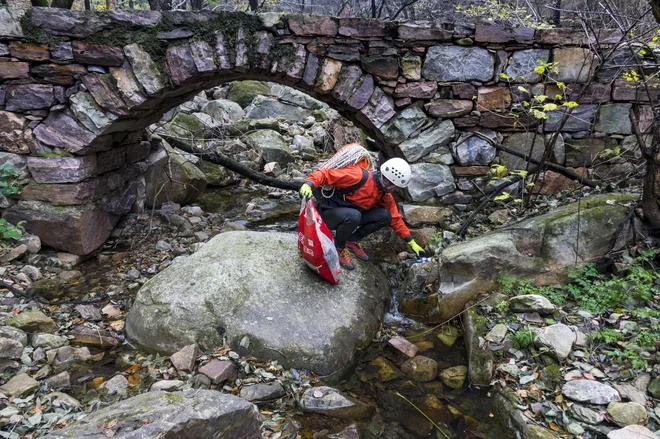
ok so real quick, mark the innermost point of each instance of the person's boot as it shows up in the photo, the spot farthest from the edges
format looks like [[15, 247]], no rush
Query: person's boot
[[356, 248], [345, 259]]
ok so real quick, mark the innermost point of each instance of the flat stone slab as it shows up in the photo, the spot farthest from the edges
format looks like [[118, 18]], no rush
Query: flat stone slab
[[190, 414], [590, 391]]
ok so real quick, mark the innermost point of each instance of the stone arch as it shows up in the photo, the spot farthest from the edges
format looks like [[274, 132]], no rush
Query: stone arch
[[79, 88]]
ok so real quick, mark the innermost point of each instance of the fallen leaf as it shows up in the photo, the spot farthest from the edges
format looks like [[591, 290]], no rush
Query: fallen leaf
[[554, 427], [110, 310], [112, 423], [109, 433], [134, 368], [133, 379], [117, 325], [589, 376], [96, 382]]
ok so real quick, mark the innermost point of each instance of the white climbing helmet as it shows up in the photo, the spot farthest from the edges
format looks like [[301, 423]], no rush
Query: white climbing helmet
[[397, 171]]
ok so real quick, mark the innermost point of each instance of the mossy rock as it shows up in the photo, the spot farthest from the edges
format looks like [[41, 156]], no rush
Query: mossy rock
[[550, 376], [216, 175], [243, 92], [187, 129], [47, 288], [654, 388]]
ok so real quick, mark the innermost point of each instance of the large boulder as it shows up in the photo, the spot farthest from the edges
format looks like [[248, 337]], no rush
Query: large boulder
[[190, 414], [542, 248], [172, 176], [264, 107], [272, 145], [243, 92], [223, 110], [252, 289]]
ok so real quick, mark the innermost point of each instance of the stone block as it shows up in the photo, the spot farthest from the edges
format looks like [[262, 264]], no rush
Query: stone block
[[219, 370], [378, 110], [29, 97], [29, 51], [144, 68], [181, 64], [348, 79], [561, 37], [311, 70], [423, 30], [411, 67], [635, 92], [312, 25], [363, 91], [62, 169], [580, 119], [77, 229], [618, 61], [533, 145], [582, 152], [595, 93], [329, 75], [10, 24], [14, 70], [614, 119], [59, 74], [448, 108], [62, 131], [463, 91], [382, 66], [63, 22], [493, 98], [362, 27], [66, 194], [86, 53], [575, 64], [503, 34], [344, 53], [416, 90], [505, 121], [523, 63], [453, 63], [99, 85], [15, 136], [61, 52], [551, 183], [471, 171], [128, 85]]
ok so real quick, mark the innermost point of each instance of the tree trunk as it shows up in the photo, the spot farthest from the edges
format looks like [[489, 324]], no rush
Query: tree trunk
[[254, 5], [651, 193], [88, 6], [154, 5], [196, 5]]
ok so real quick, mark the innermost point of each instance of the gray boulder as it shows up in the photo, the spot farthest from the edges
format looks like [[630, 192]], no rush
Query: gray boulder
[[263, 107], [557, 338], [531, 303], [190, 414], [292, 96], [538, 247], [224, 110], [590, 391], [172, 176], [253, 289], [272, 145]]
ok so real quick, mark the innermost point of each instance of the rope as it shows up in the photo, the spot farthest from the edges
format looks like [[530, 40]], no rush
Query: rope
[[349, 155]]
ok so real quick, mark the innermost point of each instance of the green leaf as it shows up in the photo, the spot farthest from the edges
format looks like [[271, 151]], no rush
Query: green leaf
[[505, 76], [539, 114], [523, 89], [561, 86], [550, 107], [570, 104], [541, 98], [503, 196], [540, 70]]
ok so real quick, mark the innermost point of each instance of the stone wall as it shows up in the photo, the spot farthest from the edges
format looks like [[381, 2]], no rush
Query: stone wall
[[77, 90]]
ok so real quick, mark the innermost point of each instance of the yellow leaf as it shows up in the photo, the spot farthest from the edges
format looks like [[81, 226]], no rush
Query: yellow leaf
[[133, 380], [561, 85], [570, 104], [541, 98], [502, 197], [540, 70], [523, 89], [642, 52], [96, 382], [117, 325], [549, 107]]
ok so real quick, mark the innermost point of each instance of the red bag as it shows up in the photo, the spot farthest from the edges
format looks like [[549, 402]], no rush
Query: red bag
[[315, 243]]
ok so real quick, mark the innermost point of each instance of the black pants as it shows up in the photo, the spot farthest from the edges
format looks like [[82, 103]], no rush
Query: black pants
[[353, 225]]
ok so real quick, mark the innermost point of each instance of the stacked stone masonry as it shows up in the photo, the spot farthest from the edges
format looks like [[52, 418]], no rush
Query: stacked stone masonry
[[78, 89]]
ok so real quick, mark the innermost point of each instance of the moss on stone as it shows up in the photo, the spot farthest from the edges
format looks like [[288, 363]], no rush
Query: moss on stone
[[243, 92], [36, 35], [173, 398]]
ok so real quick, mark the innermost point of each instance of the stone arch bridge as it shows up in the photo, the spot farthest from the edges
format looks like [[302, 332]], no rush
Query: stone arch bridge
[[78, 89]]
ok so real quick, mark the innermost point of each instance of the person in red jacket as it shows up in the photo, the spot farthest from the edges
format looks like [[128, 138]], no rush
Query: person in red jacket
[[360, 204]]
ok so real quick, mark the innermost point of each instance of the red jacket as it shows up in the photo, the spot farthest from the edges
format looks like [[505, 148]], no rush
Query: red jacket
[[367, 197]]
